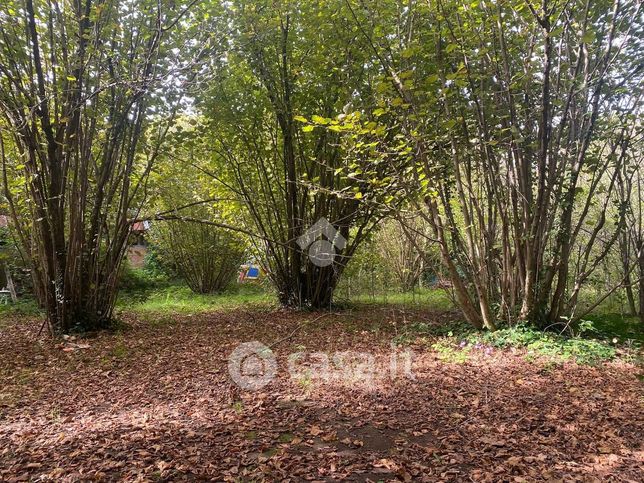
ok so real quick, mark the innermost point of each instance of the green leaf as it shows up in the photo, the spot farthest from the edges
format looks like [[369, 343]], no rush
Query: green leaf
[[588, 37], [407, 53], [320, 120]]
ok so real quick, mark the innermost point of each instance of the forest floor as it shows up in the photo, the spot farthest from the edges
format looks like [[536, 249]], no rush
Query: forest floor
[[154, 401]]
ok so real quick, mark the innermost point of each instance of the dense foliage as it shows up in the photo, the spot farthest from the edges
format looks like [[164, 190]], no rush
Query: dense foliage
[[206, 257], [504, 138], [82, 124], [524, 122]]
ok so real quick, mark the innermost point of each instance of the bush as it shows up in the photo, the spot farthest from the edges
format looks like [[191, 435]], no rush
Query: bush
[[134, 280], [205, 256], [454, 340], [548, 344], [156, 265]]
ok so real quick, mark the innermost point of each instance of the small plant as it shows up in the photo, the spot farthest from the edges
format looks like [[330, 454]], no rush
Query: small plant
[[305, 380], [286, 437], [549, 366], [238, 407], [452, 354], [552, 346], [55, 414], [120, 351], [586, 327]]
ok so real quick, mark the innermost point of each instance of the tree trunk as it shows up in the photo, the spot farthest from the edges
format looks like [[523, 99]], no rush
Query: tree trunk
[[641, 283]]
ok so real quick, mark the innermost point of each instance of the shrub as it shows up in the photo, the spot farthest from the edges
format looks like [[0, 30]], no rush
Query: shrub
[[205, 256], [133, 280], [452, 341], [548, 344]]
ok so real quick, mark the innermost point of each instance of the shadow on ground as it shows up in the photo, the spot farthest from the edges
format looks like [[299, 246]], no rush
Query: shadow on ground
[[155, 403]]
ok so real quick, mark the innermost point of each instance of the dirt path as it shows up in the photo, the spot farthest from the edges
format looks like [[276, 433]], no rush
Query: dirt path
[[156, 403]]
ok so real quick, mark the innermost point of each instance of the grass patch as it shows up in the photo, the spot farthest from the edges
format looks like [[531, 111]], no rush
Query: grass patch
[[120, 351], [286, 437], [177, 299], [24, 307]]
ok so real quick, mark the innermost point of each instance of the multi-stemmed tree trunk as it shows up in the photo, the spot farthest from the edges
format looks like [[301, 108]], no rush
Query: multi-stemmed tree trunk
[[284, 69], [76, 84], [631, 240], [206, 257], [521, 118]]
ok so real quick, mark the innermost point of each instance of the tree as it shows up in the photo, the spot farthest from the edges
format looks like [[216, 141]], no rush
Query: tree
[[82, 125], [631, 240], [207, 257], [519, 116], [404, 248], [194, 229], [287, 87]]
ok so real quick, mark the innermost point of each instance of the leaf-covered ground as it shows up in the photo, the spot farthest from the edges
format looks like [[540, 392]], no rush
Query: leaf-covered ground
[[154, 402]]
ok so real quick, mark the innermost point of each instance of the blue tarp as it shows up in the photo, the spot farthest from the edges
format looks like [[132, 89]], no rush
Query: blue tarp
[[253, 272]]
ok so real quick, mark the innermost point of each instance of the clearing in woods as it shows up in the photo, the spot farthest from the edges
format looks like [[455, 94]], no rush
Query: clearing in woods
[[154, 401]]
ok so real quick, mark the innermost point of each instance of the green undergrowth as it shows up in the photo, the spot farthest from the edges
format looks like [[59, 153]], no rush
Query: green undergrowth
[[448, 351], [615, 325], [179, 299], [549, 344], [24, 307], [587, 344], [138, 284]]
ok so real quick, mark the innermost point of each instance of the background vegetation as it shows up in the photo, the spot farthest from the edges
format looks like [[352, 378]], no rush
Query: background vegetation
[[491, 150]]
